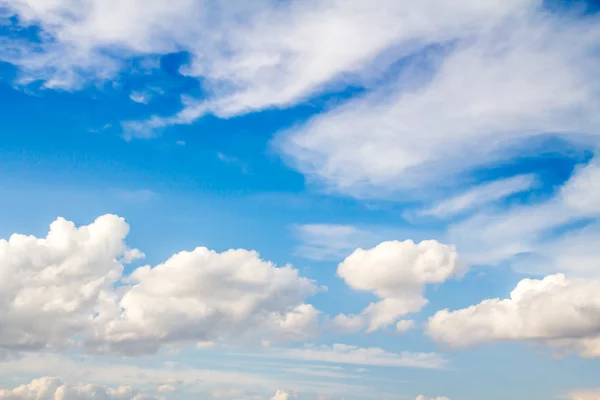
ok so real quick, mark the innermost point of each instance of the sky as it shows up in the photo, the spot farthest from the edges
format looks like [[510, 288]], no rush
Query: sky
[[313, 200]]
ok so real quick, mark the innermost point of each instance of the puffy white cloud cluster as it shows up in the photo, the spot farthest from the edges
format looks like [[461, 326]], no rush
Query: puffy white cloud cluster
[[71, 283], [280, 395], [48, 388], [557, 311], [50, 288], [397, 273]]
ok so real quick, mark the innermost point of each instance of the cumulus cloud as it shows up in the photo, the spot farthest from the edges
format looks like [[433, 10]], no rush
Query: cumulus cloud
[[397, 273], [71, 283], [48, 388], [556, 311], [51, 287], [280, 395]]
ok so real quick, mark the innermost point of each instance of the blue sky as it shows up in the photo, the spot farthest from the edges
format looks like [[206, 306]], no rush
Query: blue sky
[[412, 190]]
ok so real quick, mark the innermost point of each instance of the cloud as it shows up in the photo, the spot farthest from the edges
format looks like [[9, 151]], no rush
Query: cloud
[[404, 325], [233, 161], [347, 354], [585, 395], [51, 287], [556, 311], [476, 102], [330, 241], [71, 284], [228, 394], [49, 388], [55, 389], [278, 55], [421, 397], [554, 234], [140, 97], [204, 295], [397, 273], [280, 395], [480, 195]]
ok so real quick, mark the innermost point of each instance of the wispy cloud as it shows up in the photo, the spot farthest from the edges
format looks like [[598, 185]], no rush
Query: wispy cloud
[[231, 160], [480, 195], [330, 241], [346, 354]]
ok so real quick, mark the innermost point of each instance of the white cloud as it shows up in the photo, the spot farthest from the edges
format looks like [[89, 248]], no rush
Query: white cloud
[[278, 55], [344, 324], [486, 97], [51, 287], [48, 388], [585, 395], [228, 394], [529, 235], [233, 161], [347, 354], [191, 381], [557, 311], [281, 395], [397, 273], [480, 195], [140, 97], [330, 241], [421, 397], [404, 325], [71, 284]]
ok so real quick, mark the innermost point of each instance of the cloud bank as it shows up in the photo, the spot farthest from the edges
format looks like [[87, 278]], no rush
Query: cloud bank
[[71, 283]]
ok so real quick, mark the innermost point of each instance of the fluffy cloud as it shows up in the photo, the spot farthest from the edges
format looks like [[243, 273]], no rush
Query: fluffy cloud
[[397, 273], [71, 283], [50, 287], [203, 295], [49, 388], [54, 389], [560, 312], [404, 325], [280, 395]]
